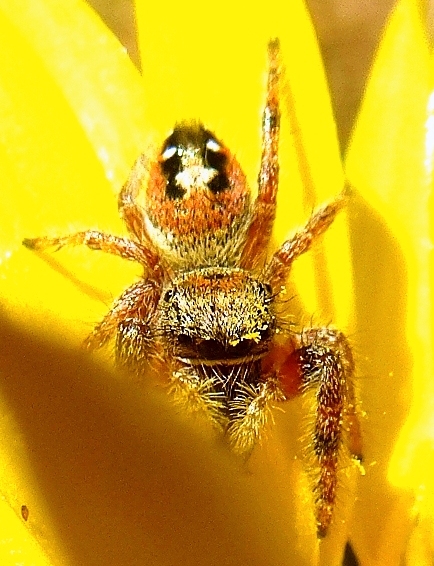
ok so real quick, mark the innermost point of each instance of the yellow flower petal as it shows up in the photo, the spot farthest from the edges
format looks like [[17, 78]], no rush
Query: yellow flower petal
[[392, 249], [72, 125], [51, 177], [17, 545], [105, 472]]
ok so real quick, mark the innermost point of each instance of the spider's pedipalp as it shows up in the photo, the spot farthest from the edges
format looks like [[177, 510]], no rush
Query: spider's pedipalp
[[138, 302]]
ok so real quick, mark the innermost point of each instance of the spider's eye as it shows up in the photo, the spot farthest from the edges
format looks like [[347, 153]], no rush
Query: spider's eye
[[214, 155], [266, 333], [171, 165], [171, 161]]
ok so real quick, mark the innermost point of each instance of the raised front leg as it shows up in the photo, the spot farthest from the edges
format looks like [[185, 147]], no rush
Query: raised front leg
[[264, 208]]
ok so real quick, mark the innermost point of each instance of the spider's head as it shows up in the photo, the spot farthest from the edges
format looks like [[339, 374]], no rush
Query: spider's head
[[217, 316]]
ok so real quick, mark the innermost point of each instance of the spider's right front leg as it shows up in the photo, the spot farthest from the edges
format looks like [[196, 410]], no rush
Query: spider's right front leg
[[320, 359]]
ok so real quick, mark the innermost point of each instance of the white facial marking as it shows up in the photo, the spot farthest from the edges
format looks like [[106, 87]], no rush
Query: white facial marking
[[194, 176]]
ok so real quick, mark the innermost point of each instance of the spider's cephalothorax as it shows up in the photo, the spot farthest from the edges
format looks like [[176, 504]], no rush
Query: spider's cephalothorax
[[208, 302]]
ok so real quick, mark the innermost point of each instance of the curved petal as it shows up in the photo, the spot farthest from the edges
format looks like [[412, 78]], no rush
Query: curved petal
[[72, 125], [51, 177], [391, 225]]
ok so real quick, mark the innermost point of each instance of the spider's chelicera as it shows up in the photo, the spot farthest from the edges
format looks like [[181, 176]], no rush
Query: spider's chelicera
[[208, 302]]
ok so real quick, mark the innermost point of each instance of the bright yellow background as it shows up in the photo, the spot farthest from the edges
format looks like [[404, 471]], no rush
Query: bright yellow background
[[97, 461], [110, 473]]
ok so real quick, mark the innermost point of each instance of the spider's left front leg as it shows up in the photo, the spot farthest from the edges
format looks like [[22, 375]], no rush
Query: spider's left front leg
[[322, 361]]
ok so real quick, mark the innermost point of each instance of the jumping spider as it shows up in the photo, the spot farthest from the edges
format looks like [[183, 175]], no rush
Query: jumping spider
[[208, 300]]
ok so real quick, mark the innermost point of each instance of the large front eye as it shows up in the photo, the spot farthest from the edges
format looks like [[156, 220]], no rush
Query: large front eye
[[268, 288], [215, 157], [170, 160]]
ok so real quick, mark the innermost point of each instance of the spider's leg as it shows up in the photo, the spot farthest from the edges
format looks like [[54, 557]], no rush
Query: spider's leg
[[264, 208], [115, 245], [130, 210], [322, 361], [277, 269]]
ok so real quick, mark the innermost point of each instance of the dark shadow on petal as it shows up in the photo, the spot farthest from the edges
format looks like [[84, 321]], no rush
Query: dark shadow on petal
[[350, 558], [125, 479]]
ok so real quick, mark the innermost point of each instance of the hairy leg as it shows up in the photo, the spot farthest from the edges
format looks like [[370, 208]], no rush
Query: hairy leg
[[277, 269], [115, 245], [129, 209], [323, 362], [264, 208]]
